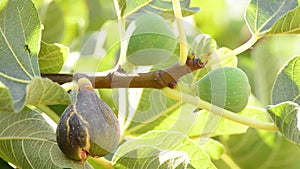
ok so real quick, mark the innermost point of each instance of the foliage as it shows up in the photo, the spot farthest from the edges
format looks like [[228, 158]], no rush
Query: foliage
[[167, 128]]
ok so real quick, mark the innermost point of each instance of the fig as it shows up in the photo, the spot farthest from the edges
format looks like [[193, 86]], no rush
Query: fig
[[225, 87], [87, 127], [151, 42]]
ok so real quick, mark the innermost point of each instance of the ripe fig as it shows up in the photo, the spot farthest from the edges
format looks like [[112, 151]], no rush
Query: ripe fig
[[88, 127], [225, 87], [151, 42]]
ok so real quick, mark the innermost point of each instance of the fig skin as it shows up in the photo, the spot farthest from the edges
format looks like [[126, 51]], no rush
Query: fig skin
[[88, 127], [225, 87]]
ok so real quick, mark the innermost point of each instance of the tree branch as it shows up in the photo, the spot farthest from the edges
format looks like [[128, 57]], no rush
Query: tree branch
[[118, 79]]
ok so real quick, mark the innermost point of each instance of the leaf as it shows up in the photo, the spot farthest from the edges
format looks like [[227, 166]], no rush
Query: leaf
[[262, 15], [287, 84], [51, 57], [20, 35], [289, 24], [168, 141], [165, 9], [52, 18], [286, 117], [203, 46], [231, 61], [145, 156], [212, 147], [129, 7], [42, 91], [6, 100], [261, 149], [28, 141]]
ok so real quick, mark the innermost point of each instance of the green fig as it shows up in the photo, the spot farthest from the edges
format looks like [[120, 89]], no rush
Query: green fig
[[225, 87], [151, 42], [88, 127]]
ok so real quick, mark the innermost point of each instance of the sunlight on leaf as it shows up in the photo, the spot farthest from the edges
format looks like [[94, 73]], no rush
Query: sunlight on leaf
[[28, 141], [167, 141], [213, 148], [51, 57], [289, 24], [19, 61], [261, 15], [43, 91], [132, 6], [286, 118], [154, 157], [287, 84]]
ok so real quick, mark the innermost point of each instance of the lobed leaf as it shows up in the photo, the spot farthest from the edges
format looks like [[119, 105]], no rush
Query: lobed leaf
[[42, 91], [287, 84], [163, 141], [51, 57], [20, 34], [28, 141], [289, 24], [262, 15]]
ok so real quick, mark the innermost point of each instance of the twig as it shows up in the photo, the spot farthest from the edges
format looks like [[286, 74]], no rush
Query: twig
[[118, 79]]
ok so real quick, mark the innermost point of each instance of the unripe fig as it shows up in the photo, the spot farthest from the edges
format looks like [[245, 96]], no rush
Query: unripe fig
[[225, 87], [88, 127], [151, 42]]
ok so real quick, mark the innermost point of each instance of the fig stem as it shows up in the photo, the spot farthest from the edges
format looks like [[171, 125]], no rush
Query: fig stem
[[49, 112], [236, 51], [102, 162], [182, 35], [122, 29], [196, 101]]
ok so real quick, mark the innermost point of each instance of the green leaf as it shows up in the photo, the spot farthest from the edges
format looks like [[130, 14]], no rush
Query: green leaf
[[28, 141], [262, 15], [6, 100], [261, 149], [165, 8], [145, 156], [287, 84], [213, 148], [128, 7], [42, 91], [285, 115], [51, 57], [203, 46], [52, 17], [20, 35], [289, 24], [163, 140]]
